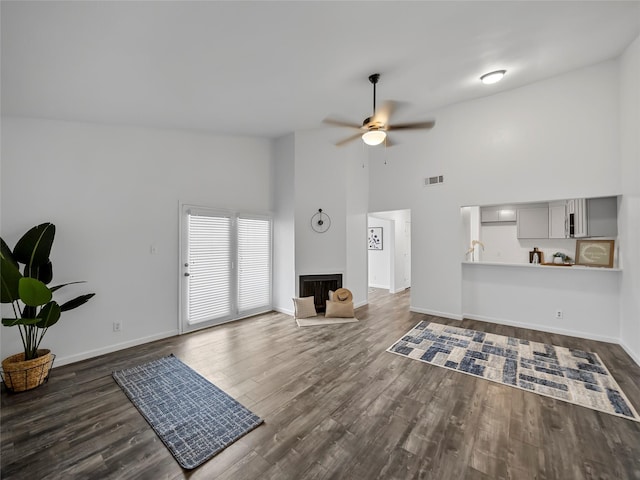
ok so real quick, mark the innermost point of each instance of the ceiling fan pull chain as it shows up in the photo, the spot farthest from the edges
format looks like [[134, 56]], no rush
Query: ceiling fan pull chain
[[385, 150]]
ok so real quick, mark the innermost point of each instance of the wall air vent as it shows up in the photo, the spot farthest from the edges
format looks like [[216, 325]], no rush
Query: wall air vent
[[433, 180]]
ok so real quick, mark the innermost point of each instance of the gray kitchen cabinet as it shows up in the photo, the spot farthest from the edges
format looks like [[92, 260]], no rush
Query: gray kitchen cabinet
[[602, 215], [558, 221], [489, 214], [533, 222], [497, 214]]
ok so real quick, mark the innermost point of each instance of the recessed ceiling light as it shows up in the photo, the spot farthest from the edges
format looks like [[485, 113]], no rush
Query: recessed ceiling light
[[492, 77]]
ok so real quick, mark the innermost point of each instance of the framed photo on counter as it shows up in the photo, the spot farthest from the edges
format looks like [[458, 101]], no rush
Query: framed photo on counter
[[595, 253]]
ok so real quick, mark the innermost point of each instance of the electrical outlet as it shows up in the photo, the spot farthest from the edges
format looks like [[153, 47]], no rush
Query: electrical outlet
[[117, 326], [559, 314]]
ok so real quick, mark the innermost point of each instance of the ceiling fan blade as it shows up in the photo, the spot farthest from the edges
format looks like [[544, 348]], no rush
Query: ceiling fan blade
[[341, 123], [383, 114], [348, 139], [412, 126]]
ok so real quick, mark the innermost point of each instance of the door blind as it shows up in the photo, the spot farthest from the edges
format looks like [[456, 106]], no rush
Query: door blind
[[254, 264], [209, 261]]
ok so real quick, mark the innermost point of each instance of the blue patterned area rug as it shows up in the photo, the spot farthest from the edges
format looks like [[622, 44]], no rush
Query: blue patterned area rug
[[565, 374], [192, 417]]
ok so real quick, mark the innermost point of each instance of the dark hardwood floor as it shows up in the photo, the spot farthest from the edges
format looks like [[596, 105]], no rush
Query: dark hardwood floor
[[335, 405]]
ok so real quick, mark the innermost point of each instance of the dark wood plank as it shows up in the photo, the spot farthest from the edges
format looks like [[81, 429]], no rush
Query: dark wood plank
[[335, 405]]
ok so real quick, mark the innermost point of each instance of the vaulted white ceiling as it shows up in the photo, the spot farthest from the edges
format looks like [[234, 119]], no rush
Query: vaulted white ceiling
[[268, 68]]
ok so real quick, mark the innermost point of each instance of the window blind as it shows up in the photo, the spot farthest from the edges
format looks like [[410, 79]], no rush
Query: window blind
[[254, 264], [209, 261]]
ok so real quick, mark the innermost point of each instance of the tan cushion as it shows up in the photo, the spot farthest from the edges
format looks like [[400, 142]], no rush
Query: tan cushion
[[339, 309], [331, 295], [304, 307]]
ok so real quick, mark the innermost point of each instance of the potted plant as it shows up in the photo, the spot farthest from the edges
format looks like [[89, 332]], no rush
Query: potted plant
[[34, 310], [561, 258]]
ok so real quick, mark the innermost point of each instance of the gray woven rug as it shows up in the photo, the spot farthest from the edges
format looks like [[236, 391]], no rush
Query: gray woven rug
[[565, 374], [192, 417]]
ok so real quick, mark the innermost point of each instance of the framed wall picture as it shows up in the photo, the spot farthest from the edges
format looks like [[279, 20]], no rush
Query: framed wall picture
[[374, 238], [595, 253]]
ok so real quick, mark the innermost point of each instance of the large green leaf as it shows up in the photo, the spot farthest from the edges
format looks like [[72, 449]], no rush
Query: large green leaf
[[9, 280], [58, 287], [5, 252], [76, 302], [10, 322], [43, 272], [33, 292], [34, 247], [49, 315], [29, 312]]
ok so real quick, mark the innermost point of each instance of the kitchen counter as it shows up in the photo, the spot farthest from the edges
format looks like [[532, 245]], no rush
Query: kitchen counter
[[546, 266]]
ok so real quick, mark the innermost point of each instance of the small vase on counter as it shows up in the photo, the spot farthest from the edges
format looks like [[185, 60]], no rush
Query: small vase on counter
[[536, 256]]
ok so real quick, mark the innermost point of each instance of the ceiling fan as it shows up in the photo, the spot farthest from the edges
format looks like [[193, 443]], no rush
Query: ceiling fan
[[374, 128]]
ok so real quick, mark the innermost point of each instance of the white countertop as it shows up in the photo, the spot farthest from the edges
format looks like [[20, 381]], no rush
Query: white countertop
[[545, 267]]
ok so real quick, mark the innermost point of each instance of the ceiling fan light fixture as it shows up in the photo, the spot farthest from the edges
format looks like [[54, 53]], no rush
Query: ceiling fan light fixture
[[374, 137], [492, 77]]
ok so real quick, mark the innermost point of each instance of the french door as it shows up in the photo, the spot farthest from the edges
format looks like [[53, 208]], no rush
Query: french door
[[225, 266]]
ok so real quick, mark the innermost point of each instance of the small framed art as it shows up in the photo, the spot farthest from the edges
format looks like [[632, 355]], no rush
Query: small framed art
[[595, 253], [374, 238]]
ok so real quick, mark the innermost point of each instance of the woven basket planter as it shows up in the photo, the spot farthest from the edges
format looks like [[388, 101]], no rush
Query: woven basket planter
[[20, 375]]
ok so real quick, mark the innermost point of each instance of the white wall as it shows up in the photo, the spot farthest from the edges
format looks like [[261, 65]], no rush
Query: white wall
[[311, 173], [333, 179], [113, 192], [357, 207], [500, 149], [320, 182], [629, 234], [380, 260], [284, 275], [528, 296], [501, 244], [401, 263]]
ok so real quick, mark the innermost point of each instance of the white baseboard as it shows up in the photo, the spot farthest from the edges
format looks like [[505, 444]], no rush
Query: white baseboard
[[60, 361], [360, 304], [541, 328], [286, 311], [375, 285], [453, 316], [630, 352]]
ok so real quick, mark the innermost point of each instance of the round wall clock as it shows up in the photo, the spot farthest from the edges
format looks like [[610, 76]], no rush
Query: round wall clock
[[320, 222]]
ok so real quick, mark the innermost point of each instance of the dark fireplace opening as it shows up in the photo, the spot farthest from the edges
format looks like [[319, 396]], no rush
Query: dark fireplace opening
[[319, 286]]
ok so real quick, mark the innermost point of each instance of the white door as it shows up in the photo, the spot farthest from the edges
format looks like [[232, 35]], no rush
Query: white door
[[225, 266], [207, 290]]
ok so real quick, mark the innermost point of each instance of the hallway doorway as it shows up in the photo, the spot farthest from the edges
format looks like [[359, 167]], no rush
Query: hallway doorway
[[389, 261]]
